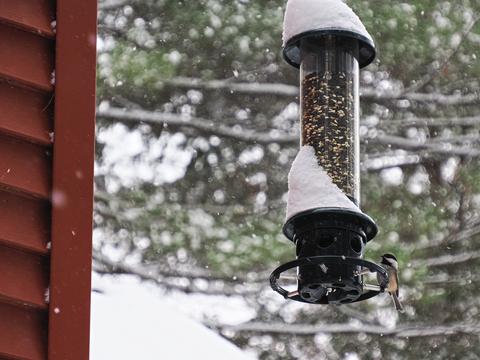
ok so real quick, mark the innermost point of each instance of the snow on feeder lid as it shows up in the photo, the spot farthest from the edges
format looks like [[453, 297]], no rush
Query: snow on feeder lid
[[311, 19], [328, 42]]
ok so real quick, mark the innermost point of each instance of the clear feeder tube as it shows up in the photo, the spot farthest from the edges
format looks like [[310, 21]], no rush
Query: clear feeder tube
[[329, 74]]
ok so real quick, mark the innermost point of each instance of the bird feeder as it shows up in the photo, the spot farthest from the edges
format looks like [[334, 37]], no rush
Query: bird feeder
[[328, 43]]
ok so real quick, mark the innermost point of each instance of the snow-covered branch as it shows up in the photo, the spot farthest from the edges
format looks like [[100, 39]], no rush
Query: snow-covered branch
[[368, 94], [112, 4], [373, 95], [436, 70], [202, 125], [251, 136], [115, 267], [447, 259], [167, 278], [468, 121], [465, 234], [405, 331], [440, 146], [444, 279], [253, 88]]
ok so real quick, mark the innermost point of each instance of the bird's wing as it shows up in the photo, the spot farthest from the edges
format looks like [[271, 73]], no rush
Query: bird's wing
[[396, 279]]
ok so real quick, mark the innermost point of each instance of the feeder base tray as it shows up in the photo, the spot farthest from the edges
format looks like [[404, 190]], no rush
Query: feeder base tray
[[342, 291]]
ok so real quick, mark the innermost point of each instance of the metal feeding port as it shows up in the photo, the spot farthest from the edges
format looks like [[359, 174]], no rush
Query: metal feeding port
[[324, 219]]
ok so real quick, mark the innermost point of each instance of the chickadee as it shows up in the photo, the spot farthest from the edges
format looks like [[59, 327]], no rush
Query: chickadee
[[391, 265]]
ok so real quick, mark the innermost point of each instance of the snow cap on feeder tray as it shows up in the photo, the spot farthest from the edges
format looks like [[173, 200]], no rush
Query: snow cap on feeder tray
[[313, 18]]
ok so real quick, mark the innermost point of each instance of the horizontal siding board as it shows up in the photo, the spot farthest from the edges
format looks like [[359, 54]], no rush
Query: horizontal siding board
[[26, 58], [27, 62], [25, 223], [24, 278], [25, 167], [26, 114], [23, 333], [31, 15]]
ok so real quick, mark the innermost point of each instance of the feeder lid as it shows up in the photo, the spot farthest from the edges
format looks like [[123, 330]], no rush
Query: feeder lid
[[313, 18]]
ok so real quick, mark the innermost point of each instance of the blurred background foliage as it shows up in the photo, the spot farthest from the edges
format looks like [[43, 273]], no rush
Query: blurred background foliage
[[197, 128]]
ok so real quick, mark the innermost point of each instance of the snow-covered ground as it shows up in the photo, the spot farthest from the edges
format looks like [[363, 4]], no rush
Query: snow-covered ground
[[133, 320]]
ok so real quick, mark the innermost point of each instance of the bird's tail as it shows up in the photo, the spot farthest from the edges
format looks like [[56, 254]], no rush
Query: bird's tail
[[398, 304]]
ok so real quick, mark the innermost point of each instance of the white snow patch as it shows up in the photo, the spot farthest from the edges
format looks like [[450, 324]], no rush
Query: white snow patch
[[309, 186], [130, 321], [392, 176], [306, 15], [174, 57], [46, 295], [129, 158]]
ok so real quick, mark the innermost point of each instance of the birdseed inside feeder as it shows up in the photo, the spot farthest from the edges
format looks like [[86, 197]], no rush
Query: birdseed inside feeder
[[328, 43], [329, 75]]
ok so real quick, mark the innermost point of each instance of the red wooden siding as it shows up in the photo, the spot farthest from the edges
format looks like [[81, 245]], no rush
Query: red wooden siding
[[47, 107], [25, 167], [26, 65], [24, 278], [34, 110], [30, 15], [24, 333], [24, 223], [26, 58], [72, 179]]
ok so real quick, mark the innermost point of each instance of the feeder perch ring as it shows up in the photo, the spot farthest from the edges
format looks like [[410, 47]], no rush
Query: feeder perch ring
[[381, 272]]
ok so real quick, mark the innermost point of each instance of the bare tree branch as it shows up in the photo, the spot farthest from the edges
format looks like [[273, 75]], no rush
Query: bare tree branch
[[405, 331]]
